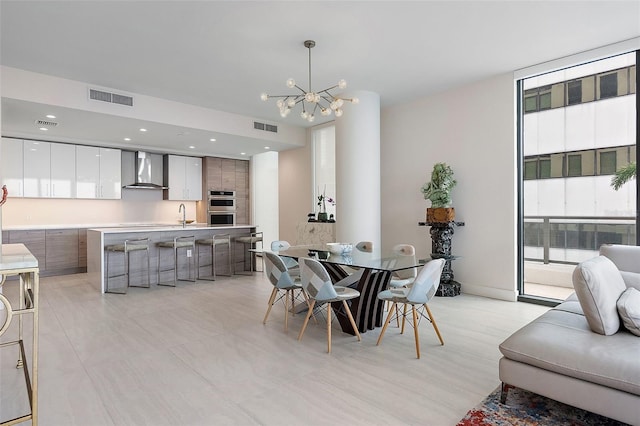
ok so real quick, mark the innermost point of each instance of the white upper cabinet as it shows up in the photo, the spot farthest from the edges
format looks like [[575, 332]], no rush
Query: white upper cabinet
[[11, 166], [183, 176], [37, 168], [98, 172], [63, 170], [110, 174]]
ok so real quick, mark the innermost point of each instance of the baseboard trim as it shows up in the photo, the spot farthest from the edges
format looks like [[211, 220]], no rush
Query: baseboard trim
[[491, 292]]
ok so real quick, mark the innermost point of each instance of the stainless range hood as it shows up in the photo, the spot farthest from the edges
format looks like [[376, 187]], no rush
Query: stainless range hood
[[142, 170]]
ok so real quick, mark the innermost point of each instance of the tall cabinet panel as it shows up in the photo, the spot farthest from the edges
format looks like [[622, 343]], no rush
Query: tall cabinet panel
[[110, 174], [193, 178], [11, 166], [37, 168], [63, 170], [87, 171]]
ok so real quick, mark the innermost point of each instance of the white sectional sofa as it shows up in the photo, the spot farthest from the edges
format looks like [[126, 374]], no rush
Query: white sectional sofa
[[559, 356]]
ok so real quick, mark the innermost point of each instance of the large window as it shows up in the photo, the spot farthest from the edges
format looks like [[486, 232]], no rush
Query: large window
[[578, 127], [324, 161]]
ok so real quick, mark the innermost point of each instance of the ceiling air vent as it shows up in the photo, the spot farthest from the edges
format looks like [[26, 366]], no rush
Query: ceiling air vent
[[100, 95], [265, 127], [46, 123]]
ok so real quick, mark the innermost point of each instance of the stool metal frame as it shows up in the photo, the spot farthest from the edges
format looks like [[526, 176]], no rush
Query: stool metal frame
[[252, 240], [213, 242], [139, 244], [187, 243]]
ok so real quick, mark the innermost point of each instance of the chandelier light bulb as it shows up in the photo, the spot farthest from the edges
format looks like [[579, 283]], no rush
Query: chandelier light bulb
[[264, 97], [311, 118], [316, 98], [325, 111], [355, 101], [339, 102], [291, 83], [342, 84], [338, 112], [304, 114], [291, 103], [280, 103], [333, 105], [310, 97]]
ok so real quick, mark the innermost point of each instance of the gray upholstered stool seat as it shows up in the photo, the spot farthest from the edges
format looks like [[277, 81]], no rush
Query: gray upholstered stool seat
[[217, 240], [187, 243], [251, 241], [141, 244]]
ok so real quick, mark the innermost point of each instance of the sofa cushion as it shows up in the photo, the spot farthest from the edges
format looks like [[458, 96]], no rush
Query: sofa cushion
[[629, 310], [562, 342], [599, 284]]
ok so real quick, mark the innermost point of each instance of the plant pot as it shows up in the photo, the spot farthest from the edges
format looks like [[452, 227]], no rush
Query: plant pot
[[323, 217], [441, 214]]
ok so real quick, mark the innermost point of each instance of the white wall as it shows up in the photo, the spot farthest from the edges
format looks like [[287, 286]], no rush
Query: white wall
[[264, 190], [472, 128]]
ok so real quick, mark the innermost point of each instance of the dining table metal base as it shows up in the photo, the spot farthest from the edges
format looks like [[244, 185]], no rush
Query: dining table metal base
[[367, 310]]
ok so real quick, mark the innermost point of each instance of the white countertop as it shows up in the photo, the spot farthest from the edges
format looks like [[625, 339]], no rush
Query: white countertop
[[102, 226], [164, 228]]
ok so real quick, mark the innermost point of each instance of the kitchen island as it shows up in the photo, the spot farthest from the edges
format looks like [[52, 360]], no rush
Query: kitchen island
[[98, 238]]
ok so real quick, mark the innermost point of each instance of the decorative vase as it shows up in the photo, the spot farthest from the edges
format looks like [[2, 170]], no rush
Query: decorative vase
[[322, 217], [441, 214]]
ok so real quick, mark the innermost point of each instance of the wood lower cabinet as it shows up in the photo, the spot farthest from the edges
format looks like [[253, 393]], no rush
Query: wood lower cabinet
[[34, 240], [59, 251]]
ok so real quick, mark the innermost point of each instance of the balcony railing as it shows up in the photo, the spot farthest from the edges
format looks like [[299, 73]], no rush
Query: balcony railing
[[572, 239]]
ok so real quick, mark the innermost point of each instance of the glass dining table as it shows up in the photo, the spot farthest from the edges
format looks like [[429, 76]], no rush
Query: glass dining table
[[373, 271]]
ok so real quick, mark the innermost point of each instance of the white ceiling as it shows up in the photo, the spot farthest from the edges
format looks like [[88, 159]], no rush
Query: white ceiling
[[223, 54]]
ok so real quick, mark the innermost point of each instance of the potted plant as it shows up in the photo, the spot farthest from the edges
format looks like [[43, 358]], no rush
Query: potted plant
[[438, 191]]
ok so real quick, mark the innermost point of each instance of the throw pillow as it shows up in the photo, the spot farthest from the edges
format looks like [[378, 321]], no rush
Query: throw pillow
[[599, 284], [629, 310]]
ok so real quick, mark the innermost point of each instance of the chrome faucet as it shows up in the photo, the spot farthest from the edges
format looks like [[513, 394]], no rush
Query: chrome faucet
[[183, 209]]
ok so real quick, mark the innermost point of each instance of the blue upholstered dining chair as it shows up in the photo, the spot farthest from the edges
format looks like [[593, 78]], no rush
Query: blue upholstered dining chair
[[279, 276], [292, 264], [419, 294], [317, 284]]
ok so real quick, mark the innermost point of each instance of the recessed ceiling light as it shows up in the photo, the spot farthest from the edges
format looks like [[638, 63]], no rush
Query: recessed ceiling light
[[50, 116], [243, 153], [143, 130], [267, 147], [127, 139], [43, 128], [212, 139], [191, 146]]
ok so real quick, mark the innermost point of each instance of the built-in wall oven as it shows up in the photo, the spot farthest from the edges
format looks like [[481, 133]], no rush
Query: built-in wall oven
[[221, 208]]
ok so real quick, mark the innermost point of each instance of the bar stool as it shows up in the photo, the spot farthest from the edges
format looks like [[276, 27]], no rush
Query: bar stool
[[140, 244], [213, 242], [251, 240], [189, 244]]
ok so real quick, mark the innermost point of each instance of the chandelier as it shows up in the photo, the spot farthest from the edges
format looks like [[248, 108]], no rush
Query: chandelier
[[311, 101]]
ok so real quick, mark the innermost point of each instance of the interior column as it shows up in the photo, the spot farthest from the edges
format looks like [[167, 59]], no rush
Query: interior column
[[358, 170]]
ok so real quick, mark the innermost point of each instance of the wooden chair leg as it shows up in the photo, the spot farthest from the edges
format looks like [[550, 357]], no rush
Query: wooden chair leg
[[386, 323], [306, 320], [286, 310], [272, 298], [351, 320], [415, 329], [433, 323], [404, 318], [329, 327], [306, 298]]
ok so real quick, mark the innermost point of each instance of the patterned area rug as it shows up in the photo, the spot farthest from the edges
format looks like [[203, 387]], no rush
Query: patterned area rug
[[527, 408]]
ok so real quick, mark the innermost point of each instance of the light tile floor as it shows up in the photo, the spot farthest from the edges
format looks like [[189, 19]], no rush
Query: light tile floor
[[199, 354]]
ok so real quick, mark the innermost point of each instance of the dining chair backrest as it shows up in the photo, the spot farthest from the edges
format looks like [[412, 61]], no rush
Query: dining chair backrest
[[405, 250], [277, 271], [366, 246], [316, 280], [426, 283]]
